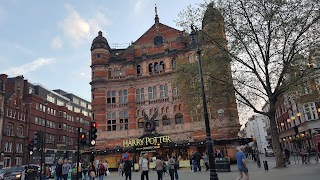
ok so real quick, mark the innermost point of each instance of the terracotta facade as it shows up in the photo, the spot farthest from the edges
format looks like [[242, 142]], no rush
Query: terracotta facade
[[126, 82]]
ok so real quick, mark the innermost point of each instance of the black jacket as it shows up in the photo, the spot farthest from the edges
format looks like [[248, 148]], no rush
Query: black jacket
[[59, 170]]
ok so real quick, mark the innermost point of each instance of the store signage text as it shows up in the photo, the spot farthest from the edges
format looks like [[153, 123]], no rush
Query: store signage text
[[147, 141]]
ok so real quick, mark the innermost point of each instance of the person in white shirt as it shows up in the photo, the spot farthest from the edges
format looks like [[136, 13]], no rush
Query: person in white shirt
[[144, 167]]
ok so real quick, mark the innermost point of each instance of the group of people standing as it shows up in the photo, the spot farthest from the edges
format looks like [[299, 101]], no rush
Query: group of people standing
[[160, 167]]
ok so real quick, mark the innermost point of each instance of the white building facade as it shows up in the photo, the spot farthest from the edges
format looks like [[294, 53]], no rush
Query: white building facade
[[256, 128]]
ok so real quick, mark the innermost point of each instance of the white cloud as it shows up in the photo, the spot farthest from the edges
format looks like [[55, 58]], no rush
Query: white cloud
[[139, 6], [29, 67], [56, 43], [80, 29]]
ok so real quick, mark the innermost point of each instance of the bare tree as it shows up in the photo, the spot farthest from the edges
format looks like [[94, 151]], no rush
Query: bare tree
[[268, 42]]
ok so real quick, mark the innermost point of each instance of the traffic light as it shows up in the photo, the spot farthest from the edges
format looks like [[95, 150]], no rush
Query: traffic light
[[30, 145], [38, 139], [93, 133], [83, 139]]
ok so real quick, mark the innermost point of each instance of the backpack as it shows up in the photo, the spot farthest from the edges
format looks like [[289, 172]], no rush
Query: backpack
[[127, 165], [176, 165]]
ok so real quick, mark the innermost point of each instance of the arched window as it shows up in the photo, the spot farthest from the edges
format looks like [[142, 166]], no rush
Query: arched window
[[167, 109], [20, 131], [116, 72], [174, 63], [161, 65], [165, 121], [140, 123], [139, 70], [156, 67], [150, 68], [162, 110], [9, 129], [122, 72], [110, 73], [174, 108], [180, 107], [178, 118]]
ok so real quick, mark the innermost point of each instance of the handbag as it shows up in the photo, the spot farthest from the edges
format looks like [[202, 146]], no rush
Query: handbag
[[92, 174], [108, 173]]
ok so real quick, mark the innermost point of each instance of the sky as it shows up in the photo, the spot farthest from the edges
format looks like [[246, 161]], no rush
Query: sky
[[48, 42]]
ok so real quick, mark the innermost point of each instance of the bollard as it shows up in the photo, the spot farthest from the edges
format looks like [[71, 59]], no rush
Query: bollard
[[265, 164]]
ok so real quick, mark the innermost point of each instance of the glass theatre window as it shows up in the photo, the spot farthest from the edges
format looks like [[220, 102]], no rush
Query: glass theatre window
[[123, 96], [123, 115], [111, 97], [111, 121]]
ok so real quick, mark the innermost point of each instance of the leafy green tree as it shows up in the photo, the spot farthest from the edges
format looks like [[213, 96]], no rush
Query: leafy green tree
[[265, 48]]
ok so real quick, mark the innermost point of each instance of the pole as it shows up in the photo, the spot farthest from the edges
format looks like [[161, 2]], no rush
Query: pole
[[41, 153], [209, 141], [78, 153]]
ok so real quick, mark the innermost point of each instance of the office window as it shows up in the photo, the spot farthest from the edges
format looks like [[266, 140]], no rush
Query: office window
[[36, 120], [166, 121], [140, 123], [20, 131], [7, 161]]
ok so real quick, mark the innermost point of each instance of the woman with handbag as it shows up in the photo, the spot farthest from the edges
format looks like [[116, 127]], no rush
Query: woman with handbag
[[91, 172]]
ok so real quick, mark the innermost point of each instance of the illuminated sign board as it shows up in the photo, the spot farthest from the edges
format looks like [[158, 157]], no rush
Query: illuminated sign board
[[146, 141]]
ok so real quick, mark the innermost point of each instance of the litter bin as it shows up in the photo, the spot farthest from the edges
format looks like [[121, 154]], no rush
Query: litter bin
[[223, 165]]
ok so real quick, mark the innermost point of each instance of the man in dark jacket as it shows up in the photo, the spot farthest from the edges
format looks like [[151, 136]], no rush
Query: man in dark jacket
[[59, 170], [127, 166]]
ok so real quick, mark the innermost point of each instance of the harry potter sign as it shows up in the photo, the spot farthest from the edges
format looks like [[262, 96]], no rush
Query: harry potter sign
[[146, 141]]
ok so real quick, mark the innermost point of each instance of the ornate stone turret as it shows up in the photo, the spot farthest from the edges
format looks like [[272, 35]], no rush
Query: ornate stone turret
[[100, 42]]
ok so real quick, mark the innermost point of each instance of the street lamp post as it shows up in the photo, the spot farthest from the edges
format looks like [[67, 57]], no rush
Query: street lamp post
[[43, 149], [209, 141]]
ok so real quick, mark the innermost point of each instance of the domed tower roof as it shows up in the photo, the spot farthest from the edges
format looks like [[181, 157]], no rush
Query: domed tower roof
[[100, 42], [212, 15]]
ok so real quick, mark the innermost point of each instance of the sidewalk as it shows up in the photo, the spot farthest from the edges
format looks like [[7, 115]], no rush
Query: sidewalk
[[292, 172]]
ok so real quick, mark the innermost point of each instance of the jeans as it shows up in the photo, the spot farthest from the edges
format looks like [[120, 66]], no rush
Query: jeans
[[58, 177], [128, 175], [160, 174], [43, 177], [100, 177], [65, 176], [176, 174], [145, 173], [171, 173]]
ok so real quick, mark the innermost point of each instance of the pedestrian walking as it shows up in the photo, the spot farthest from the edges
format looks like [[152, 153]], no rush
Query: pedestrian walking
[[176, 167], [287, 155], [59, 169], [120, 167], [127, 165], [242, 163], [65, 169], [171, 167], [144, 167], [101, 170], [206, 160], [105, 164], [159, 167]]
